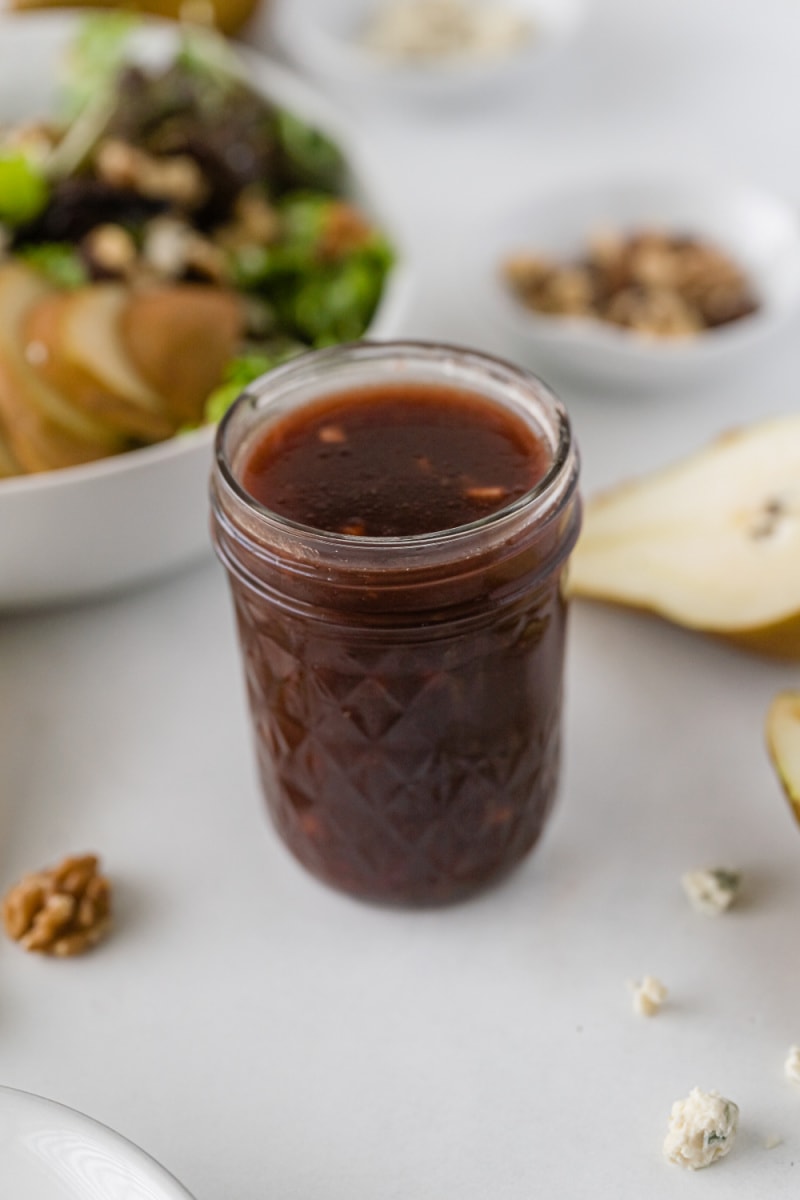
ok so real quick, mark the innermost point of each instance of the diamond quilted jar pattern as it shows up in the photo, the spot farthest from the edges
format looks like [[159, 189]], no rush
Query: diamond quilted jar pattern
[[404, 784]]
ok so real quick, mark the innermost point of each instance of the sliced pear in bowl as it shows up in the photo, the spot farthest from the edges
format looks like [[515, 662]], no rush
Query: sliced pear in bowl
[[711, 542], [180, 338], [92, 334], [783, 743], [57, 346], [44, 430]]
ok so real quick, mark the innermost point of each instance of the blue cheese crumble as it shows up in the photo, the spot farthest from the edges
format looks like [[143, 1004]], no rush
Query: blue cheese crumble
[[702, 1128], [711, 890], [648, 996], [792, 1065]]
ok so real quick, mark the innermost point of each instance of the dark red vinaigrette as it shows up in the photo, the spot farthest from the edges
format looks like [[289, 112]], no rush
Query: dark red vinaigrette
[[395, 461]]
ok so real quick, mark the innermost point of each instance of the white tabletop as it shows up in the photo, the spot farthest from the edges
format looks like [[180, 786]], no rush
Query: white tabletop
[[264, 1037]]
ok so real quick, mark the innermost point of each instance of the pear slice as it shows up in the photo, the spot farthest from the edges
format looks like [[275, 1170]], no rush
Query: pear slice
[[180, 338], [783, 743], [44, 430], [55, 337], [91, 329], [712, 542]]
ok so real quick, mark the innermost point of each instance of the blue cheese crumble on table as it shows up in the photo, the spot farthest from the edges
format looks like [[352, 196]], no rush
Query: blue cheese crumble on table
[[711, 890], [648, 996], [702, 1128], [792, 1065]]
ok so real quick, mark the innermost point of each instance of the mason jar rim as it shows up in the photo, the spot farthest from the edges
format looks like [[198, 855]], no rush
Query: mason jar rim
[[282, 379]]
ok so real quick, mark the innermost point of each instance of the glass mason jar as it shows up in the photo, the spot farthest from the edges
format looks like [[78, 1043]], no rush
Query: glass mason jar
[[405, 691]]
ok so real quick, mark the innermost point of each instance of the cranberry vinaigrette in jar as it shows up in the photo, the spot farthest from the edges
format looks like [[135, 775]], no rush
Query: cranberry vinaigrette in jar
[[394, 520], [394, 460]]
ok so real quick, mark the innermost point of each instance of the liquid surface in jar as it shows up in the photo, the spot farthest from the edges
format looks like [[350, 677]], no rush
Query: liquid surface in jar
[[395, 460]]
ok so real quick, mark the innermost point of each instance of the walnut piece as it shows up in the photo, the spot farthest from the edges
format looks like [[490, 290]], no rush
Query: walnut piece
[[62, 911], [176, 178], [110, 249]]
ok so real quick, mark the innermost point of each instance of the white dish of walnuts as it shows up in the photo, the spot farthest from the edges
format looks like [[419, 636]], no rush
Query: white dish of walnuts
[[539, 265]]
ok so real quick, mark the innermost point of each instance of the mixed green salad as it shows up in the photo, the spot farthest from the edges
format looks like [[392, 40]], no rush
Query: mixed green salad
[[197, 233]]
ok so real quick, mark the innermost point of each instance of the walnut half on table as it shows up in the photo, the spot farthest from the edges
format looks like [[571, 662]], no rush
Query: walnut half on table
[[62, 911]]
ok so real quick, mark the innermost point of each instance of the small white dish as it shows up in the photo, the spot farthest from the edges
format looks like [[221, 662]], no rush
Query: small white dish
[[323, 37], [85, 531], [759, 231], [49, 1152]]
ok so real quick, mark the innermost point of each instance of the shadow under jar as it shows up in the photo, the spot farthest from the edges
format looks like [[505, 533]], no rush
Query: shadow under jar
[[395, 519]]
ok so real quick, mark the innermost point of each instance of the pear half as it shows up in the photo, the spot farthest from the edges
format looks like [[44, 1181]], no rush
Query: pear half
[[711, 543], [783, 743]]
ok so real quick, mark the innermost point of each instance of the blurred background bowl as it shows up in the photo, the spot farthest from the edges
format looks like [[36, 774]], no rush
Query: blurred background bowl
[[760, 232], [323, 38], [83, 531]]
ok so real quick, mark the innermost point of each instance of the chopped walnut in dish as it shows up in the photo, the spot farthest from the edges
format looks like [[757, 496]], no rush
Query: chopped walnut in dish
[[652, 283], [62, 910]]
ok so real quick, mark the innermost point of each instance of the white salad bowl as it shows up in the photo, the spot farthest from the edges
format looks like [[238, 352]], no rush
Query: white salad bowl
[[83, 531], [759, 231], [323, 37], [49, 1152]]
